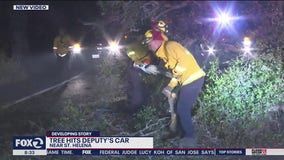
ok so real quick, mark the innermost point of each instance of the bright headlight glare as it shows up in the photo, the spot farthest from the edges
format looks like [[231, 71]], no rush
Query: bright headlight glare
[[247, 49], [247, 45], [247, 42], [77, 45], [211, 50], [76, 48], [113, 46], [224, 18]]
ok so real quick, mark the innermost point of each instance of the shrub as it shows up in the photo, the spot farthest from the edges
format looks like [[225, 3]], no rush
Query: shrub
[[10, 71], [243, 92]]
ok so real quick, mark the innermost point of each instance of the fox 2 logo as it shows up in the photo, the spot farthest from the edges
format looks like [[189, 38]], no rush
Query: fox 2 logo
[[29, 142]]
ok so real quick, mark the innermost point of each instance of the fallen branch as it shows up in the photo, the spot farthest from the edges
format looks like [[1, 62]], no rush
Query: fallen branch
[[155, 131], [141, 132]]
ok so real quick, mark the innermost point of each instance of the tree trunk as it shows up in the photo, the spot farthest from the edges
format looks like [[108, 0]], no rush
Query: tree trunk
[[18, 24]]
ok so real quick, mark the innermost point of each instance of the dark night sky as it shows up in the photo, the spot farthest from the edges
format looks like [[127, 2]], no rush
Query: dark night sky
[[41, 27]]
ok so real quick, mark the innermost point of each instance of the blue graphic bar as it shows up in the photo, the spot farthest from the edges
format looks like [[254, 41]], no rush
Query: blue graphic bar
[[230, 152], [29, 142]]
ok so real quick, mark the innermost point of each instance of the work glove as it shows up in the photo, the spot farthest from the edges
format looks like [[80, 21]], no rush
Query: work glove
[[150, 69], [168, 74], [167, 91], [139, 65]]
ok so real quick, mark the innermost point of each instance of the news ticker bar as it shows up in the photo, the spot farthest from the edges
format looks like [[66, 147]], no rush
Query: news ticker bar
[[155, 152]]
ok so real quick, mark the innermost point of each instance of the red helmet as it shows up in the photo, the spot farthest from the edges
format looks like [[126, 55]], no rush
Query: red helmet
[[153, 35]]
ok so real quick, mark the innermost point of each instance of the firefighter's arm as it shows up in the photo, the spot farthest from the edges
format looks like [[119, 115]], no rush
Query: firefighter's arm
[[173, 54]]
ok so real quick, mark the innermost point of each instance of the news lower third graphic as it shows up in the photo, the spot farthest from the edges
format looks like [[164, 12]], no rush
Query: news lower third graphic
[[31, 7], [91, 143]]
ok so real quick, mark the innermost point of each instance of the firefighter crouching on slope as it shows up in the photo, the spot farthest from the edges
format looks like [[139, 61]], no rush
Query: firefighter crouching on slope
[[141, 60], [186, 73]]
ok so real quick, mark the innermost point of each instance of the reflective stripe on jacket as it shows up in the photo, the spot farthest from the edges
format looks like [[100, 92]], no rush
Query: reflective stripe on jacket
[[184, 67]]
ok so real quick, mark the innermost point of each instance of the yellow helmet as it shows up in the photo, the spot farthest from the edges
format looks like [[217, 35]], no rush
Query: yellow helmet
[[148, 37], [154, 35]]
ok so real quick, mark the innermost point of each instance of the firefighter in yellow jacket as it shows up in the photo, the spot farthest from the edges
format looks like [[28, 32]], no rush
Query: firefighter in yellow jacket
[[186, 73], [61, 44]]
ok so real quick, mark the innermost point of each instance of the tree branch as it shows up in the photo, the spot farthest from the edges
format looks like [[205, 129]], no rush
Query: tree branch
[[183, 4], [141, 132]]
